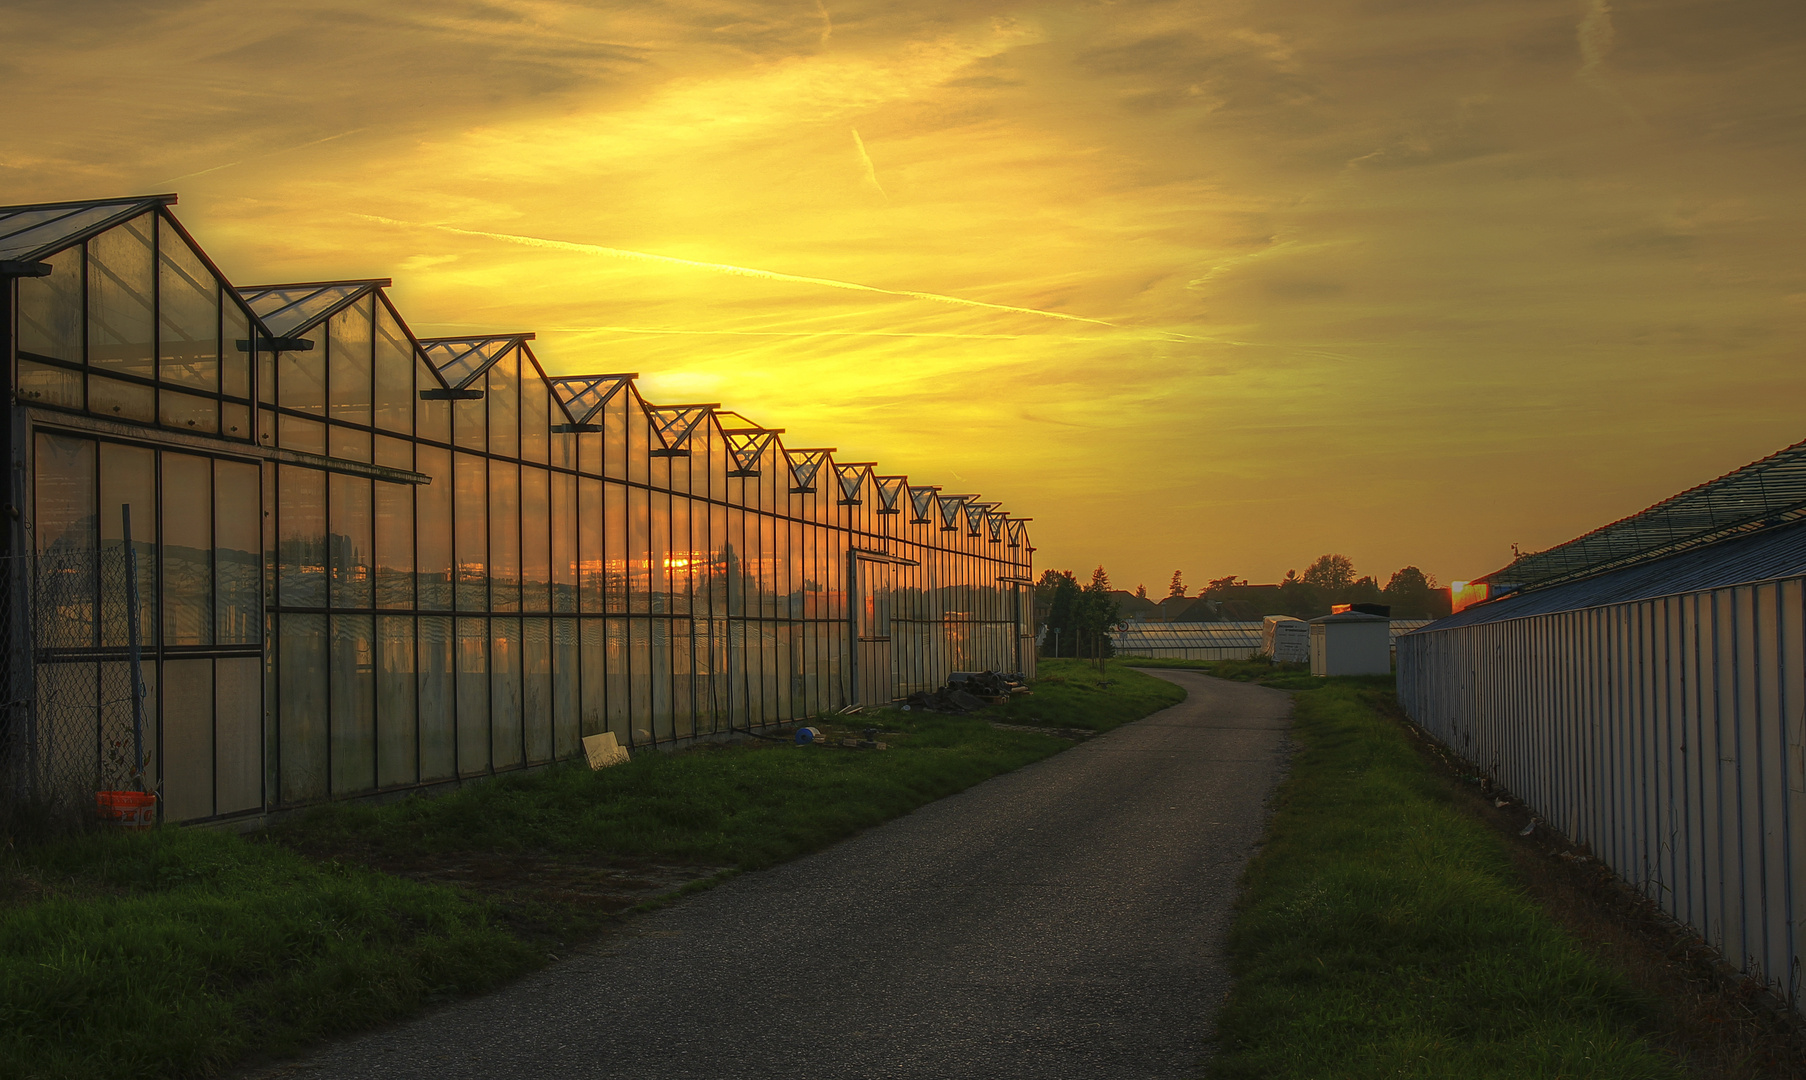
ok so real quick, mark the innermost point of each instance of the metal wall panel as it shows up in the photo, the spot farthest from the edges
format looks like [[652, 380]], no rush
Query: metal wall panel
[[1665, 733]]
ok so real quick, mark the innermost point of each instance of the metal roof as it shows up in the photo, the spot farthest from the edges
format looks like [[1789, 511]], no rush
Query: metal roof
[[1761, 556], [1761, 495], [29, 233], [583, 396], [1215, 635], [287, 310]]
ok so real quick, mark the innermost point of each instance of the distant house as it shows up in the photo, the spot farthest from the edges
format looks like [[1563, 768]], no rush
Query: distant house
[[1133, 607]]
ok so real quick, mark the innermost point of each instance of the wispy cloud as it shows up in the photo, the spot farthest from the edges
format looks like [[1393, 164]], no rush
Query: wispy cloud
[[737, 271], [865, 159], [259, 157]]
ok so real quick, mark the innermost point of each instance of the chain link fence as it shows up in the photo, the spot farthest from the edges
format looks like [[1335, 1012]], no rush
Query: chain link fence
[[78, 711]]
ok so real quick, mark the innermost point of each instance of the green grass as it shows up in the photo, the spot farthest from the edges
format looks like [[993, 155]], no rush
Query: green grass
[[177, 951], [1383, 932], [180, 952]]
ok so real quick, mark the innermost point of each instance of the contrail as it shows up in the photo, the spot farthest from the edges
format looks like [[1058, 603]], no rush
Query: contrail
[[254, 157], [871, 171], [738, 271]]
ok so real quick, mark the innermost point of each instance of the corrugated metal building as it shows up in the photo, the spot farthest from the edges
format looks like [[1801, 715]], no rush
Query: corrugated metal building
[[1644, 691]]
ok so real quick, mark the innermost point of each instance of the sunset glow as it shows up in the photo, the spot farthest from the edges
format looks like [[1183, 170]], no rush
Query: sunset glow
[[1212, 287]]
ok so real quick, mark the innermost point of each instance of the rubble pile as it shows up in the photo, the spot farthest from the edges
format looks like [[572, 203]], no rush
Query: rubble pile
[[967, 691]]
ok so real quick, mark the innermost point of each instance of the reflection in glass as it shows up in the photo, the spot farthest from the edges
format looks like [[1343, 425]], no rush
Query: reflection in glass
[[187, 550], [470, 484], [128, 474], [349, 542], [301, 553], [237, 553], [473, 696], [433, 531], [535, 539], [394, 545], [505, 689], [50, 309]]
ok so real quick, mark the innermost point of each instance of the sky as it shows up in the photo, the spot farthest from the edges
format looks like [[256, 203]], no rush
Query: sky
[[1217, 287]]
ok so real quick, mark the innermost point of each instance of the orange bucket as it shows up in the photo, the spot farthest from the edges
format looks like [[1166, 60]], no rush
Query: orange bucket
[[127, 809]]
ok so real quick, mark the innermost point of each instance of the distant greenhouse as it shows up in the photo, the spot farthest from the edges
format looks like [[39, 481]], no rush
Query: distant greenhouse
[[369, 562], [1206, 640]]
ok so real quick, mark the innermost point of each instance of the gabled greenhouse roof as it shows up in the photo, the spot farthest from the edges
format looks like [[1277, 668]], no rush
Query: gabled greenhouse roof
[[1761, 495], [462, 361], [28, 233], [583, 396], [286, 310]]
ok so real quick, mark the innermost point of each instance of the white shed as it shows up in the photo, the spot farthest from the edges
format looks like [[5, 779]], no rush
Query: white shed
[[1351, 643]]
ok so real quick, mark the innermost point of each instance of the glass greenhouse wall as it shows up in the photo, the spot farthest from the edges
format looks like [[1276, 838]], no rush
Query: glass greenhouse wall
[[361, 561]]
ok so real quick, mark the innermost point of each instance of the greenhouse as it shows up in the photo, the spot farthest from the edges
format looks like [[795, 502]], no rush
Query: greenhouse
[[1207, 640], [360, 561]]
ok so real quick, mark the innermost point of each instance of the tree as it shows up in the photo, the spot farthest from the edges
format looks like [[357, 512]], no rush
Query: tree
[[1099, 579], [1219, 584], [1331, 573], [1177, 588], [1096, 612], [1063, 614], [1414, 594], [1141, 592]]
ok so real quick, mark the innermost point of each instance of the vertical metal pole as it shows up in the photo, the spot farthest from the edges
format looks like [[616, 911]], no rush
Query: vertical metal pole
[[134, 649]]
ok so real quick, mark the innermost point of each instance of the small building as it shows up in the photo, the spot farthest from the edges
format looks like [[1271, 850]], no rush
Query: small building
[[1351, 643]]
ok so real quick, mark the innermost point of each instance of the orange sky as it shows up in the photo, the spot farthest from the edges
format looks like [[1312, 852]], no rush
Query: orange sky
[[1211, 286]]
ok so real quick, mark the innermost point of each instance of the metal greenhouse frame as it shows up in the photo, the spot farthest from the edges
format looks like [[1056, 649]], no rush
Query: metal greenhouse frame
[[368, 562]]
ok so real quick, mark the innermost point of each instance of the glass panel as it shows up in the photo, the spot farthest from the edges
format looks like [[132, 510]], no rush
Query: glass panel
[[350, 542], [301, 697], [66, 536], [42, 384], [119, 298], [238, 733], [396, 750], [592, 658], [565, 732], [187, 549], [295, 433], [235, 363], [394, 545], [564, 542], [536, 689], [113, 697], [301, 536], [188, 305], [535, 414], [432, 419], [349, 338], [235, 421], [504, 405], [237, 552], [535, 539], [128, 474], [127, 401], [433, 533], [438, 731], [619, 709], [50, 309], [470, 430], [471, 492], [590, 566], [266, 377], [505, 694], [394, 453], [299, 381], [187, 739], [639, 543], [348, 443], [189, 413], [639, 679], [393, 369], [266, 426], [473, 697], [353, 703], [504, 536]]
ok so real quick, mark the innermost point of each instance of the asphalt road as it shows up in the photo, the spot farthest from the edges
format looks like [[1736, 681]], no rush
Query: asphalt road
[[1062, 921]]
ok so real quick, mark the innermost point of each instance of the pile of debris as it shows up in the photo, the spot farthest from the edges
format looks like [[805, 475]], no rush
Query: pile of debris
[[967, 691]]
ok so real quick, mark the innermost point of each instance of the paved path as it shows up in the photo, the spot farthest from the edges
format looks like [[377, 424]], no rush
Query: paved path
[[1064, 920]]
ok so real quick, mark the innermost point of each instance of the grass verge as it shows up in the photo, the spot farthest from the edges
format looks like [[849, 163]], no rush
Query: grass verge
[[181, 952], [1384, 932]]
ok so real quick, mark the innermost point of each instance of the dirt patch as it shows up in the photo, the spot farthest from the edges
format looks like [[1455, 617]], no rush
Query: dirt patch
[[1720, 1024]]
